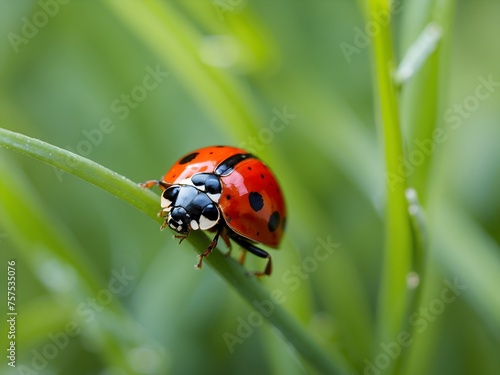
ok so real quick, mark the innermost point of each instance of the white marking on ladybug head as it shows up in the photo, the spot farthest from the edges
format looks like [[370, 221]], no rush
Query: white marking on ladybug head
[[186, 181], [175, 225], [194, 225], [205, 223], [214, 197], [165, 203]]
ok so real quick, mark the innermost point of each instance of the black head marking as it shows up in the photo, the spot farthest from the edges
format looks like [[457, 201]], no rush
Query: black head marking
[[210, 212], [171, 193], [212, 184], [256, 201], [185, 195], [198, 204], [188, 158], [274, 221], [209, 181]]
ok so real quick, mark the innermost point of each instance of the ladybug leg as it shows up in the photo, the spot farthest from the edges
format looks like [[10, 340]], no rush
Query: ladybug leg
[[150, 183], [180, 237], [208, 250], [243, 256], [162, 213], [256, 251], [225, 237]]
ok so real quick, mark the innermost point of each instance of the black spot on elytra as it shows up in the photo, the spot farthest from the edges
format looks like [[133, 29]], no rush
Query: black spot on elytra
[[188, 158], [262, 176], [249, 168], [256, 201], [274, 221], [227, 166], [228, 197]]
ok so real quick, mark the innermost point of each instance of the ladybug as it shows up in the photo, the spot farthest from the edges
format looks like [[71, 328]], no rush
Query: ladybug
[[228, 191]]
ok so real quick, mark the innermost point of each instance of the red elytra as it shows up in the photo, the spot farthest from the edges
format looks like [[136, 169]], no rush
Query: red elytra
[[227, 190]]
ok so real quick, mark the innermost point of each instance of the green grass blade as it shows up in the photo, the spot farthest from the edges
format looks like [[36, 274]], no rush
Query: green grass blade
[[397, 258]]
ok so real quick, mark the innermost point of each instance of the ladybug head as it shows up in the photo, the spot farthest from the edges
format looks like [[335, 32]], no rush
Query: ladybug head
[[178, 219], [189, 208]]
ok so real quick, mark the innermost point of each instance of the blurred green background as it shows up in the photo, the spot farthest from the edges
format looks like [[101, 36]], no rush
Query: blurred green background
[[134, 85]]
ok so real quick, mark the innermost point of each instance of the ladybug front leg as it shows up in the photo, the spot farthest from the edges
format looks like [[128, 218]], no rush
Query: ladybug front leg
[[208, 250], [162, 213], [150, 183], [180, 237]]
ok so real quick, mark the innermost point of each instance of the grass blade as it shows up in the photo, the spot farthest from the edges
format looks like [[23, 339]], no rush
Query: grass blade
[[397, 258]]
